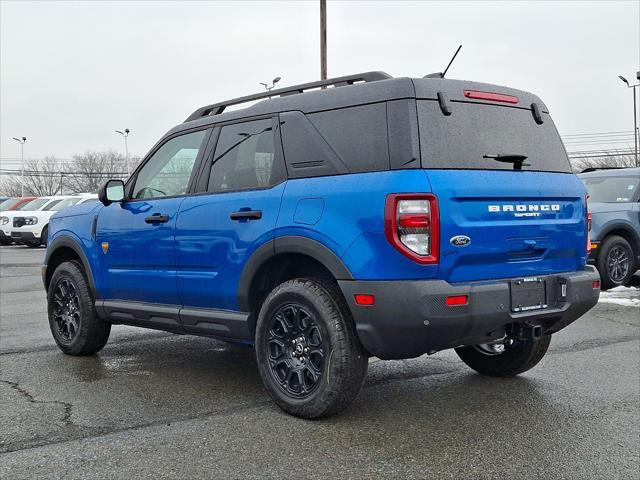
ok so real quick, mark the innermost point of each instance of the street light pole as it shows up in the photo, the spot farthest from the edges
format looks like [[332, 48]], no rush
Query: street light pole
[[635, 114], [323, 39], [21, 141], [125, 134]]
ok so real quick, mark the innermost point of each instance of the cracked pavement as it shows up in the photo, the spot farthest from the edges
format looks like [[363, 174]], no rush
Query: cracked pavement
[[158, 405]]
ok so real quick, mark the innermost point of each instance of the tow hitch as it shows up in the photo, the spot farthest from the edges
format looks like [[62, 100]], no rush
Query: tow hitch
[[523, 332]]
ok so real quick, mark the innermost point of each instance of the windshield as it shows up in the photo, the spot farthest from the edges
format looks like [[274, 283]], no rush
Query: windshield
[[488, 137], [60, 204], [7, 204], [611, 189], [34, 204]]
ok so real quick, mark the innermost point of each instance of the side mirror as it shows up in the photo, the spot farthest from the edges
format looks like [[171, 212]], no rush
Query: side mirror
[[111, 191]]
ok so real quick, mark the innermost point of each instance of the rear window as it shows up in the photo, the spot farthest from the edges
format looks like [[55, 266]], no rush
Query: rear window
[[611, 189], [462, 139]]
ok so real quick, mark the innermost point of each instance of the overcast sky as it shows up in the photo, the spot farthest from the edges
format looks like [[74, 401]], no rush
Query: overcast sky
[[73, 72]]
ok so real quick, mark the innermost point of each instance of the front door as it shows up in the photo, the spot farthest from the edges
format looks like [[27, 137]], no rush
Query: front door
[[135, 238]]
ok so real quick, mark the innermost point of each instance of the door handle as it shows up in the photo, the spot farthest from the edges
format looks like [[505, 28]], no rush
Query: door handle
[[246, 215], [157, 219]]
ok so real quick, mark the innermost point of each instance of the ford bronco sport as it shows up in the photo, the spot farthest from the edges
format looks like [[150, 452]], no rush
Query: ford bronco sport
[[332, 221]]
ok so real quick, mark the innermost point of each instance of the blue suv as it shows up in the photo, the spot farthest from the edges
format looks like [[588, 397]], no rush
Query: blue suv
[[332, 221]]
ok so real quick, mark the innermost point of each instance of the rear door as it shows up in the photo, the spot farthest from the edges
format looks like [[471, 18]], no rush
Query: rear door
[[509, 204], [217, 230]]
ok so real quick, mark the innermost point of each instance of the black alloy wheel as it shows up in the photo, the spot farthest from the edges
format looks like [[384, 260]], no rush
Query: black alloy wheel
[[66, 310], [296, 350]]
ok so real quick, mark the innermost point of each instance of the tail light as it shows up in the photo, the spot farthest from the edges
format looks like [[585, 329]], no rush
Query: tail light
[[588, 224], [412, 226]]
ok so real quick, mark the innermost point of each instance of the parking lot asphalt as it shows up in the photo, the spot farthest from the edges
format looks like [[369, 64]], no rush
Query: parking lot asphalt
[[158, 405]]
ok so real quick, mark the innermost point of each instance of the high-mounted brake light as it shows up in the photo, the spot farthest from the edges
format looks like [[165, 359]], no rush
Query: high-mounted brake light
[[491, 96], [411, 226]]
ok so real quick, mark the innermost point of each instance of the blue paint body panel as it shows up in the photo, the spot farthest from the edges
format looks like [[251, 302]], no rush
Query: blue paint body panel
[[211, 249], [196, 258], [139, 264]]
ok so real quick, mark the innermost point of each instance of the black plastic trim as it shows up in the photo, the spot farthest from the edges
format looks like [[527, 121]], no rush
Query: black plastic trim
[[73, 245], [283, 245]]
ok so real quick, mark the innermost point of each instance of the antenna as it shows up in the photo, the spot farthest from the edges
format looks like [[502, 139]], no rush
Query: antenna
[[451, 61], [442, 74]]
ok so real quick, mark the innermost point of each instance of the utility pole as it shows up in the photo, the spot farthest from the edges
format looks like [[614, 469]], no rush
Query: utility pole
[[125, 134], [323, 39], [21, 141], [635, 114]]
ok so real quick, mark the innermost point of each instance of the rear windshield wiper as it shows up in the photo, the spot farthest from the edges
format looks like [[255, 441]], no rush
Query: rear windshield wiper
[[515, 158]]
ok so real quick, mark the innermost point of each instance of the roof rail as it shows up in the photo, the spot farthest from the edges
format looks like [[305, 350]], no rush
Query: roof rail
[[218, 108], [594, 169]]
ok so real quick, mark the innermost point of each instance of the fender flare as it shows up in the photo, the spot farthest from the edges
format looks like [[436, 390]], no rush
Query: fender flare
[[627, 228], [68, 242], [283, 245]]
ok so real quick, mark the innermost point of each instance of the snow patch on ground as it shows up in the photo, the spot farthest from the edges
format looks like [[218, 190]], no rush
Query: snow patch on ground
[[624, 296]]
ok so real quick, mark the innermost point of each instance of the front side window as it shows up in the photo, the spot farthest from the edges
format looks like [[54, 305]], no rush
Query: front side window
[[168, 171], [245, 158]]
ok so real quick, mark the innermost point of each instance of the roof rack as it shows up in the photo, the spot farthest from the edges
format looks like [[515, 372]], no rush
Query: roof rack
[[218, 108], [594, 169]]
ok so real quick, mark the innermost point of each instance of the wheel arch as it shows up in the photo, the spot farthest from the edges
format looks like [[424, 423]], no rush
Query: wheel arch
[[624, 231], [63, 249], [286, 249]]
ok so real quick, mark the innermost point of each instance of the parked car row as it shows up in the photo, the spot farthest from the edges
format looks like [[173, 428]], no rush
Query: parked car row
[[25, 220]]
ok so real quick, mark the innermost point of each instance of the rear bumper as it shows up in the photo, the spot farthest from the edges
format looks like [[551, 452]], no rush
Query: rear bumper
[[410, 318]]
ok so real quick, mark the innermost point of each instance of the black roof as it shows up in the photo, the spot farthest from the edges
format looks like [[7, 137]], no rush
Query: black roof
[[351, 90]]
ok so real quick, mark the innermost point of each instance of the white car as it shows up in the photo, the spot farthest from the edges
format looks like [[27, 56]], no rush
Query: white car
[[31, 228], [6, 217]]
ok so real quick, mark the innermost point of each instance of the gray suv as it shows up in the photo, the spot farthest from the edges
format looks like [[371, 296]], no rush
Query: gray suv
[[615, 225]]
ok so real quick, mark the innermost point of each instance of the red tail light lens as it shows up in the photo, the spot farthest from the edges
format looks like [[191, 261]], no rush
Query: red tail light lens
[[492, 97], [411, 226], [364, 299]]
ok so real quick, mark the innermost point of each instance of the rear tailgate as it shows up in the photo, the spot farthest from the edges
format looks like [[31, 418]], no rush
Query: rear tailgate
[[509, 204], [518, 223]]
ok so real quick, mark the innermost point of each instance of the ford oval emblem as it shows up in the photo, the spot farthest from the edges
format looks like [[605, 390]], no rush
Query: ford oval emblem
[[460, 241]]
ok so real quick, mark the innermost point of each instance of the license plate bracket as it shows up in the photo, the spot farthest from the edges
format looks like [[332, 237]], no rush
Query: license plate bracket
[[528, 293]]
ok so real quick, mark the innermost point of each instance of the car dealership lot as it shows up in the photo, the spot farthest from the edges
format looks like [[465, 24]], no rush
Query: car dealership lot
[[156, 405]]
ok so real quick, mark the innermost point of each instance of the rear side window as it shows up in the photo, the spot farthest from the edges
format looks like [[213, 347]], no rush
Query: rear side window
[[56, 206], [473, 131], [245, 158], [358, 135], [612, 189]]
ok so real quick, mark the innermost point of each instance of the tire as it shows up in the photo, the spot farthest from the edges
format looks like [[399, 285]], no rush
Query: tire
[[615, 262], [44, 236], [74, 323], [309, 357], [522, 356]]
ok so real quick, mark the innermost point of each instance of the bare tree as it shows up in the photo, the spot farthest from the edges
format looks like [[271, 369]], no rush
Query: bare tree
[[607, 159], [41, 178], [86, 172]]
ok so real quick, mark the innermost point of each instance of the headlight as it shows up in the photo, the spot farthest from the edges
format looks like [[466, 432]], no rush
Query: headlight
[[30, 220], [4, 220]]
